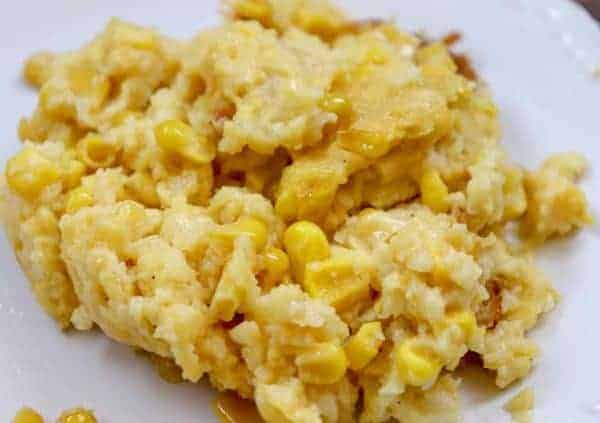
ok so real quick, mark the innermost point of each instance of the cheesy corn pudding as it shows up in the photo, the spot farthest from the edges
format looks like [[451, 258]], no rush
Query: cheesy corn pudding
[[310, 211]]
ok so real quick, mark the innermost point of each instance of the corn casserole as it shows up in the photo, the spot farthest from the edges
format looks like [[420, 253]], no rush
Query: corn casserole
[[310, 211]]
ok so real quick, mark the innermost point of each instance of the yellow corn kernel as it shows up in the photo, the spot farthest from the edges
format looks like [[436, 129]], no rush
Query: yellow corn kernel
[[415, 365], [286, 205], [78, 415], [246, 225], [38, 68], [27, 415], [322, 364], [96, 152], [364, 345], [255, 229], [175, 136], [276, 264], [73, 172], [257, 10], [440, 274], [337, 104], [317, 23], [465, 320], [125, 115], [377, 56], [304, 242], [28, 173], [434, 192], [78, 198], [337, 281], [366, 143]]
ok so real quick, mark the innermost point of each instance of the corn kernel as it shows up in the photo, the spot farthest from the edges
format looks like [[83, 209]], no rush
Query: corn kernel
[[286, 205], [79, 198], [175, 136], [323, 364], [38, 69], [246, 225], [27, 415], [364, 345], [377, 56], [96, 152], [337, 104], [256, 10], [255, 229], [366, 143], [125, 115], [319, 24], [440, 273], [434, 192], [465, 320], [416, 366], [73, 172], [78, 415], [304, 242], [276, 264], [337, 281], [28, 173]]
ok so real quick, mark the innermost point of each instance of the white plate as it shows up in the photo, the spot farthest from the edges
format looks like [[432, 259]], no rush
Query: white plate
[[537, 56]]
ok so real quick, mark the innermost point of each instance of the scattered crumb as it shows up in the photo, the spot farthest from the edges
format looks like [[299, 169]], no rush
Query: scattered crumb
[[77, 415], [452, 38], [27, 415], [521, 406], [465, 68]]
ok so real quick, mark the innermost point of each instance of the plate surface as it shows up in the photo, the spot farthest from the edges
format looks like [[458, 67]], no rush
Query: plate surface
[[537, 56]]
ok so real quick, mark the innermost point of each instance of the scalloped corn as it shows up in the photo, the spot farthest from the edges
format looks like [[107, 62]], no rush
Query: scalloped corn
[[306, 210]]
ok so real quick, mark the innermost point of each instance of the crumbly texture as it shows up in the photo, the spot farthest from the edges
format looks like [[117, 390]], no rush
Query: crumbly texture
[[521, 405], [79, 415], [306, 210]]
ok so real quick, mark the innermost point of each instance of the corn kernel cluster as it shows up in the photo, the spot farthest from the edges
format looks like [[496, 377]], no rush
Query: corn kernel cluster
[[307, 210]]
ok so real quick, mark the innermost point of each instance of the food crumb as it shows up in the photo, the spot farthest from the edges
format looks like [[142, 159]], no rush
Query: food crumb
[[27, 415], [452, 38], [77, 415], [521, 405]]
